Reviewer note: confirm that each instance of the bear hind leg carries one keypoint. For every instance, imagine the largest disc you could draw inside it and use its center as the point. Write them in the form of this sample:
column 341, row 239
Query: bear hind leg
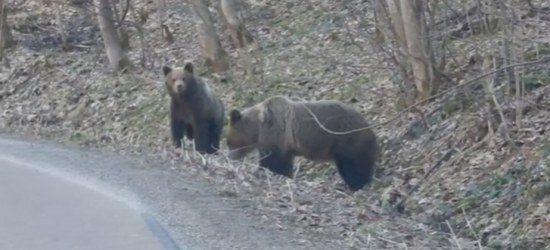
column 356, row 171
column 277, row 162
column 202, row 138
column 178, row 129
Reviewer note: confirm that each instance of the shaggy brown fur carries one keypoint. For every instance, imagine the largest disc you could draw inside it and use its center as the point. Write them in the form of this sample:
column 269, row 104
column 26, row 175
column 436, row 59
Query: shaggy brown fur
column 194, row 109
column 281, row 129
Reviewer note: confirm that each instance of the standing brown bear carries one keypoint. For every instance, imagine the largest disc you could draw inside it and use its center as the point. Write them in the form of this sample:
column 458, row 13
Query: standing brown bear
column 194, row 109
column 281, row 129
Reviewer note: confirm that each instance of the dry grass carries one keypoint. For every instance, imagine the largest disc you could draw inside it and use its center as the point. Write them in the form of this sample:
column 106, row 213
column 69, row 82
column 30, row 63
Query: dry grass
column 460, row 187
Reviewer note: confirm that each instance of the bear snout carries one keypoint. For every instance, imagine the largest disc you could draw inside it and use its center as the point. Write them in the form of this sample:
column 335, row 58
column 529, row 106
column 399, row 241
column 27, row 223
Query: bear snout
column 180, row 88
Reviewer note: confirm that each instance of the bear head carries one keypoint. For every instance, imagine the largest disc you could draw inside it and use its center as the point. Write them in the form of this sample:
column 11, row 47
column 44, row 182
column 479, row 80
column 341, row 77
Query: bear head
column 267, row 117
column 180, row 81
column 243, row 131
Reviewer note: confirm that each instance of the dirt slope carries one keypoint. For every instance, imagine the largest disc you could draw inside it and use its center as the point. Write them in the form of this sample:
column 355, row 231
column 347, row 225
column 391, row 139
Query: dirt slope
column 481, row 188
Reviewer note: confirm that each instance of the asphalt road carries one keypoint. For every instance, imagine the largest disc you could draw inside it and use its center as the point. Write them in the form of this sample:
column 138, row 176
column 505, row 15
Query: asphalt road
column 59, row 197
column 41, row 210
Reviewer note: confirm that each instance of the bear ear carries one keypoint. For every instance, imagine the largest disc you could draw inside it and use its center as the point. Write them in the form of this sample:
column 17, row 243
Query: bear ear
column 235, row 116
column 188, row 67
column 166, row 70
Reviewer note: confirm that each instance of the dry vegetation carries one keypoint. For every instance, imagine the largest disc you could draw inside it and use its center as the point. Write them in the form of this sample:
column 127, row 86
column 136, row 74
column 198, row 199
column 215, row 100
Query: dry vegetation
column 464, row 171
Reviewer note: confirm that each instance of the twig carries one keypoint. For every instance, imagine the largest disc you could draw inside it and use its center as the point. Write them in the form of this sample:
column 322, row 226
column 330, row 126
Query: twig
column 248, row 146
column 369, row 236
column 291, row 193
column 342, row 192
column 461, row 154
column 184, row 153
column 490, row 89
column 297, row 170
column 466, row 83
column 388, row 240
column 270, row 189
column 473, row 231
column 123, row 17
column 438, row 164
column 454, row 235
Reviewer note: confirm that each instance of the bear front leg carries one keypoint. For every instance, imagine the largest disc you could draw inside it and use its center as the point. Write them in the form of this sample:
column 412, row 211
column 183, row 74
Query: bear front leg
column 215, row 133
column 277, row 162
column 202, row 138
column 178, row 129
column 189, row 131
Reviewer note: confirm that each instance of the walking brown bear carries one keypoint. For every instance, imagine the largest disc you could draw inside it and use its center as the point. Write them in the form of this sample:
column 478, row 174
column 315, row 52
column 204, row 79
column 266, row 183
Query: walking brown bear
column 281, row 129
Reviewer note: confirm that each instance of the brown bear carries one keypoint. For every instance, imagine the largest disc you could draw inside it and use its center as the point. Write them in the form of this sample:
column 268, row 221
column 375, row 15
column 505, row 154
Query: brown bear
column 194, row 109
column 280, row 129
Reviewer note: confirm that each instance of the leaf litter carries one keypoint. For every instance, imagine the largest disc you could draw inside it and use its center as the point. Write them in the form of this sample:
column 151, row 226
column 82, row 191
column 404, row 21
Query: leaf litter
column 485, row 193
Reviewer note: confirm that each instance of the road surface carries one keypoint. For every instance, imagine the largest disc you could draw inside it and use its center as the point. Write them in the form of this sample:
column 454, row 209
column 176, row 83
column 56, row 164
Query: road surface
column 44, row 211
column 59, row 197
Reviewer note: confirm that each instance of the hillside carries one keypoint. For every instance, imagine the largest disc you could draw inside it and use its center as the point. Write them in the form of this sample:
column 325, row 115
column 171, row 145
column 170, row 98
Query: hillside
column 469, row 181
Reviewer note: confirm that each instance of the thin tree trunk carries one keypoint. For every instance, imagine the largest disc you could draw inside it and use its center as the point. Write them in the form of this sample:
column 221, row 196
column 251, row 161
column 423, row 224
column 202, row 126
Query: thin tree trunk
column 6, row 38
column 166, row 33
column 161, row 11
column 397, row 24
column 381, row 20
column 418, row 58
column 117, row 58
column 235, row 24
column 214, row 55
column 119, row 15
column 397, row 28
column 61, row 27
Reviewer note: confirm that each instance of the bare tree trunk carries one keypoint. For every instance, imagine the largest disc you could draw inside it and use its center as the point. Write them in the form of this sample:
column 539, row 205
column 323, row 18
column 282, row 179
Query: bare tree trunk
column 166, row 33
column 381, row 21
column 61, row 27
column 237, row 30
column 119, row 16
column 397, row 24
column 116, row 56
column 214, row 55
column 161, row 11
column 141, row 35
column 418, row 58
column 397, row 29
column 6, row 38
